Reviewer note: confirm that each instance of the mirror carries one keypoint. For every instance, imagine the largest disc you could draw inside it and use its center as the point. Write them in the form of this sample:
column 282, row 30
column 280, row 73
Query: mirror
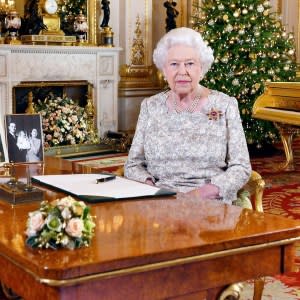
column 91, row 6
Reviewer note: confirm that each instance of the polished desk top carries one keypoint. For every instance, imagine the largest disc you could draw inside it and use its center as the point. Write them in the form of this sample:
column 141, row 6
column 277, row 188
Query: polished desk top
column 148, row 233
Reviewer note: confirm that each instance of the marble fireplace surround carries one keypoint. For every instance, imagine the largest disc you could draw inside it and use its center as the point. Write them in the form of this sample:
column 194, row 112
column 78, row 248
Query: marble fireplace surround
column 97, row 65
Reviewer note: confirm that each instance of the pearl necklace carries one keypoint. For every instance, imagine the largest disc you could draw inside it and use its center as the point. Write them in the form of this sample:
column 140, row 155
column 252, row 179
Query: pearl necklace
column 191, row 108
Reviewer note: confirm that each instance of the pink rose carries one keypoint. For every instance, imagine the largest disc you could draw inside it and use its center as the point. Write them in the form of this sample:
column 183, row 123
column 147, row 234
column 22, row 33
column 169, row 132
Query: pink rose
column 35, row 223
column 74, row 227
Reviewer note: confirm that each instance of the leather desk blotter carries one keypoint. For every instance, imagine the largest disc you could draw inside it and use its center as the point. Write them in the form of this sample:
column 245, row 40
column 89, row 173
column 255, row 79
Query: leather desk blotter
column 17, row 193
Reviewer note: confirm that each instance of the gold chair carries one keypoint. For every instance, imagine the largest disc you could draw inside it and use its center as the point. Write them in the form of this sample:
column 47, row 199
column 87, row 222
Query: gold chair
column 254, row 188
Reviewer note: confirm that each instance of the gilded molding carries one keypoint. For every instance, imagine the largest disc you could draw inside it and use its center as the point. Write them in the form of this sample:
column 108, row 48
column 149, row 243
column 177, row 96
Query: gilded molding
column 146, row 37
column 279, row 6
column 92, row 21
column 138, row 48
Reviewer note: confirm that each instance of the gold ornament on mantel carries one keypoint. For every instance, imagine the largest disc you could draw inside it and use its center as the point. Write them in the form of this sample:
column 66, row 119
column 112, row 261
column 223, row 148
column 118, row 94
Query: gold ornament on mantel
column 138, row 49
column 90, row 111
column 30, row 108
column 12, row 23
column 137, row 74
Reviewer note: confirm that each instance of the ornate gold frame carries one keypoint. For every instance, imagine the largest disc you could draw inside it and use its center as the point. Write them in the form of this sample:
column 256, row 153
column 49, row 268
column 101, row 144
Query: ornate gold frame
column 91, row 17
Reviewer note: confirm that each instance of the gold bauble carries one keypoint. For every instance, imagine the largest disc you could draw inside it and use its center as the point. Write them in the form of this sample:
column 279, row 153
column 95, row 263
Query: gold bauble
column 257, row 85
column 266, row 12
column 225, row 18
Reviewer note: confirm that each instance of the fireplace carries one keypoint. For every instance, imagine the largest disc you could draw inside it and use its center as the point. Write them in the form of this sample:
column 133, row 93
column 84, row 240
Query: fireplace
column 33, row 65
column 77, row 90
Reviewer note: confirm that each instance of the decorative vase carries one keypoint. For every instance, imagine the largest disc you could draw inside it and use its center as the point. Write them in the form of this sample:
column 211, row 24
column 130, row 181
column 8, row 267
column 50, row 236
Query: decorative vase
column 81, row 29
column 12, row 24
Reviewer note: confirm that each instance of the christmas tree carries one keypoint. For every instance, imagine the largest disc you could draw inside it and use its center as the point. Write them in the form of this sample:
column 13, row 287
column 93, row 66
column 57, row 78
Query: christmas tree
column 68, row 10
column 251, row 47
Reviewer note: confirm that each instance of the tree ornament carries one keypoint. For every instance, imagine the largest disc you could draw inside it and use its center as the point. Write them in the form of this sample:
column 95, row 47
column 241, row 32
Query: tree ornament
column 253, row 56
column 260, row 8
column 225, row 18
column 229, row 28
column 224, row 59
column 235, row 82
column 237, row 13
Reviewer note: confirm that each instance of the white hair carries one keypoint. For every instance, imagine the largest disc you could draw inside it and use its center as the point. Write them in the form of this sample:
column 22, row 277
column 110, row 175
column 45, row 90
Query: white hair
column 187, row 37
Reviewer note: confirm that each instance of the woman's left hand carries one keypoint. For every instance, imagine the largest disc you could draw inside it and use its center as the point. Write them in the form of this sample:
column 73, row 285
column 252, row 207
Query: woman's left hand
column 206, row 191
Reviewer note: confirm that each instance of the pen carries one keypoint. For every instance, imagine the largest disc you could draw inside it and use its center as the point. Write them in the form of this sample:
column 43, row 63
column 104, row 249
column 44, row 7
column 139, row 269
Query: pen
column 104, row 179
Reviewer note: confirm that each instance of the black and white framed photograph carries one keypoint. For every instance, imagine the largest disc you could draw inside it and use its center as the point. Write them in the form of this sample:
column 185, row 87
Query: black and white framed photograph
column 3, row 146
column 24, row 138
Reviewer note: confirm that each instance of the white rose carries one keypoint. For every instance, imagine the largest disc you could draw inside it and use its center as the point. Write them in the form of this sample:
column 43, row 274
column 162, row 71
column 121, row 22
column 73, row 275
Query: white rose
column 66, row 214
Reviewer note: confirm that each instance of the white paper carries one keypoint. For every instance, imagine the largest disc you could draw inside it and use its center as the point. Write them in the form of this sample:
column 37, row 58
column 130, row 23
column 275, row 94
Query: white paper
column 86, row 184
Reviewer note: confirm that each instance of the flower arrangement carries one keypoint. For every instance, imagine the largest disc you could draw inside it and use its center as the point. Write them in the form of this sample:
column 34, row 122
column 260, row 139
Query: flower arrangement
column 63, row 223
column 63, row 122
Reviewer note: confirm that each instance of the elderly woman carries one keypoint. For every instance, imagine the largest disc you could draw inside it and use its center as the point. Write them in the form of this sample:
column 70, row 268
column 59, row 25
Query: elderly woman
column 189, row 138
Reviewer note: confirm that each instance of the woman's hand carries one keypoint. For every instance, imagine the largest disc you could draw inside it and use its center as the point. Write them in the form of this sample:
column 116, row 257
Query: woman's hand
column 206, row 191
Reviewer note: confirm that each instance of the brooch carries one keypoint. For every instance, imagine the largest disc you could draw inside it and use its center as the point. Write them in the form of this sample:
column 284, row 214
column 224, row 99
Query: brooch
column 214, row 114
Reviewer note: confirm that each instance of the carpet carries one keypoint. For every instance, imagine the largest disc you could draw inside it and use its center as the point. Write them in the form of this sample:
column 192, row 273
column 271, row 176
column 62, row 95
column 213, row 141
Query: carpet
column 281, row 197
column 281, row 200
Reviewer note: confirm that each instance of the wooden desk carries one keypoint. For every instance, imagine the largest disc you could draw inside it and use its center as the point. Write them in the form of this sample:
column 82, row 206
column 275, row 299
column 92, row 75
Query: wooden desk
column 160, row 248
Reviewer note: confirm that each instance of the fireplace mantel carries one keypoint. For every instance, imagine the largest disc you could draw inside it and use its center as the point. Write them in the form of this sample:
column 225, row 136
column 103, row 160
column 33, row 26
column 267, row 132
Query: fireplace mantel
column 97, row 65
